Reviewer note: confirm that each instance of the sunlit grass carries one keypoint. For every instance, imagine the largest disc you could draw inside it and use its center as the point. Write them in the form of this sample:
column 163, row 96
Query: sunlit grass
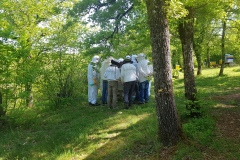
column 80, row 132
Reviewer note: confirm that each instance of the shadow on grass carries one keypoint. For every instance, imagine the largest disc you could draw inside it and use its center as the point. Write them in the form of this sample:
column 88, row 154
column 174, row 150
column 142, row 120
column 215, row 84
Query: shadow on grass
column 137, row 141
column 76, row 131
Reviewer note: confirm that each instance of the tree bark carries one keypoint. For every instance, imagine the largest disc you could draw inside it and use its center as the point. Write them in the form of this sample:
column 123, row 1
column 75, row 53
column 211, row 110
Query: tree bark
column 208, row 57
column 186, row 36
column 169, row 127
column 199, row 60
column 223, row 48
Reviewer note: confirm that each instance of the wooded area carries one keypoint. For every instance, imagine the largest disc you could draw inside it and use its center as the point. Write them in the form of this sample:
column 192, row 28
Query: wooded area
column 46, row 47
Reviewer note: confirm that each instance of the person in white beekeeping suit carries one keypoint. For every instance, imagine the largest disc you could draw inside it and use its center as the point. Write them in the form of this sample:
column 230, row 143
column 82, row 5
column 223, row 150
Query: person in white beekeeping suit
column 128, row 77
column 104, row 82
column 113, row 75
column 120, row 83
column 136, row 88
column 144, row 71
column 93, row 81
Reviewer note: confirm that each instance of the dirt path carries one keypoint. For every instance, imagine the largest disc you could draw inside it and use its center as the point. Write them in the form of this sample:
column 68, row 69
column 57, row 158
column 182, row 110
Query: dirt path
column 228, row 116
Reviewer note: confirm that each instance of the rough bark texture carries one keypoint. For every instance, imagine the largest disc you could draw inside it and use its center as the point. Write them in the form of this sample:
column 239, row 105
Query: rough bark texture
column 186, row 37
column 170, row 131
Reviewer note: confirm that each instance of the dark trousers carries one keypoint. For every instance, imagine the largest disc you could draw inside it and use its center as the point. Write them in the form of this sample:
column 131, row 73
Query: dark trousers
column 128, row 88
column 137, row 92
column 104, row 91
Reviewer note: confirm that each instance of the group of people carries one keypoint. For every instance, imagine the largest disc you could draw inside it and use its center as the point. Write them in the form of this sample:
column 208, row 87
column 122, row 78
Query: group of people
column 120, row 79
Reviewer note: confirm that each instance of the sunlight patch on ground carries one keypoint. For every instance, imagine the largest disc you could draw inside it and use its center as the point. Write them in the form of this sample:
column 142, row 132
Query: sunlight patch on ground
column 125, row 123
column 102, row 137
column 224, row 106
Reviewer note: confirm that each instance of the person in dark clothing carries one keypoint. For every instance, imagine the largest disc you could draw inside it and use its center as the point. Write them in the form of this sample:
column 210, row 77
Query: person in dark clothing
column 128, row 77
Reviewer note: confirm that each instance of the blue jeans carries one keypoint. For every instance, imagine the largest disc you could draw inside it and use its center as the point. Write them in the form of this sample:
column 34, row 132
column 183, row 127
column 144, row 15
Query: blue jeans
column 144, row 91
column 104, row 91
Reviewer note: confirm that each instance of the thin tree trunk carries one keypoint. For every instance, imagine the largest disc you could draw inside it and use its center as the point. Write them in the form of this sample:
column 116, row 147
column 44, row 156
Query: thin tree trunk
column 29, row 98
column 170, row 131
column 199, row 60
column 208, row 57
column 2, row 111
column 198, row 40
column 223, row 48
column 186, row 33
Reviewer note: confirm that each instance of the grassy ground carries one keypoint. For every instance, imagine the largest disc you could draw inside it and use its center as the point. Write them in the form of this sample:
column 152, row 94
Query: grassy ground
column 78, row 131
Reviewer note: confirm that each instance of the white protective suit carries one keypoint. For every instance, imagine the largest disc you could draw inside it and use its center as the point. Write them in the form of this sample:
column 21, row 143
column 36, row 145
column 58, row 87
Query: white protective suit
column 105, row 64
column 93, row 80
column 143, row 68
column 134, row 60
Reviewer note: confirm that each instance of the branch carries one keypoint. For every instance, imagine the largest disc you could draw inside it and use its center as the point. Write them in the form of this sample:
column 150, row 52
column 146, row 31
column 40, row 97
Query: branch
column 118, row 18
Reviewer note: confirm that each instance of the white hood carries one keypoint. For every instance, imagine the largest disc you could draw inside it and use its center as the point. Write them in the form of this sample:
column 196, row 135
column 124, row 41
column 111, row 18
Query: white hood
column 95, row 59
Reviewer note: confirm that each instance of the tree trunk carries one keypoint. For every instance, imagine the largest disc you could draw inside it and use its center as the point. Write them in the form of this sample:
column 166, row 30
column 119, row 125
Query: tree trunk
column 2, row 111
column 198, row 40
column 199, row 60
column 186, row 33
column 170, row 131
column 29, row 98
column 208, row 57
column 223, row 48
column 186, row 37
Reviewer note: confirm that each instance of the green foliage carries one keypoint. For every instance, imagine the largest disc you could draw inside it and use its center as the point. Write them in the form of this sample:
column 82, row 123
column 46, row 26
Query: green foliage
column 200, row 129
column 36, row 62
column 175, row 73
column 194, row 108
column 188, row 152
column 83, row 132
column 37, row 46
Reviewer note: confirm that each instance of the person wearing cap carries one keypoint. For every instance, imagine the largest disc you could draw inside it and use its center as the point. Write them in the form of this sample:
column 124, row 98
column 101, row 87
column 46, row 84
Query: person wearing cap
column 112, row 74
column 104, row 82
column 128, row 77
column 143, row 72
column 93, row 81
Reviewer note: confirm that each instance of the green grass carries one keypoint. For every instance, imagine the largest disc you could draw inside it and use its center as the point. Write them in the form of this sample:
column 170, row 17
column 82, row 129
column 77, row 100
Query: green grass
column 78, row 131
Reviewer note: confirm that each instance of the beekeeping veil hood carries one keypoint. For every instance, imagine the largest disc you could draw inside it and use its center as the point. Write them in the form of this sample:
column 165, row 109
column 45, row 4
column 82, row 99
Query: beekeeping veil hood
column 95, row 59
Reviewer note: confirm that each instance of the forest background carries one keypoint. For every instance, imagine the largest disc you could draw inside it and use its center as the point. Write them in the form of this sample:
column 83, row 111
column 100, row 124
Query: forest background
column 47, row 45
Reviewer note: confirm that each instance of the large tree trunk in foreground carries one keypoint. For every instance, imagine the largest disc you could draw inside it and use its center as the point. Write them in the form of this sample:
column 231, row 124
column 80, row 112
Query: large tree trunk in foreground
column 170, row 131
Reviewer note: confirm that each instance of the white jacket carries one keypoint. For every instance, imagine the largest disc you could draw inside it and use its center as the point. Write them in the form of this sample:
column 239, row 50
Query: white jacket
column 144, row 70
column 105, row 65
column 112, row 73
column 128, row 72
column 93, row 70
column 92, row 74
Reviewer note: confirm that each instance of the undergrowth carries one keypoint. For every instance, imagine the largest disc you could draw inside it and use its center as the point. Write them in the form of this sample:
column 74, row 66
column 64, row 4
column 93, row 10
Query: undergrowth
column 78, row 131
